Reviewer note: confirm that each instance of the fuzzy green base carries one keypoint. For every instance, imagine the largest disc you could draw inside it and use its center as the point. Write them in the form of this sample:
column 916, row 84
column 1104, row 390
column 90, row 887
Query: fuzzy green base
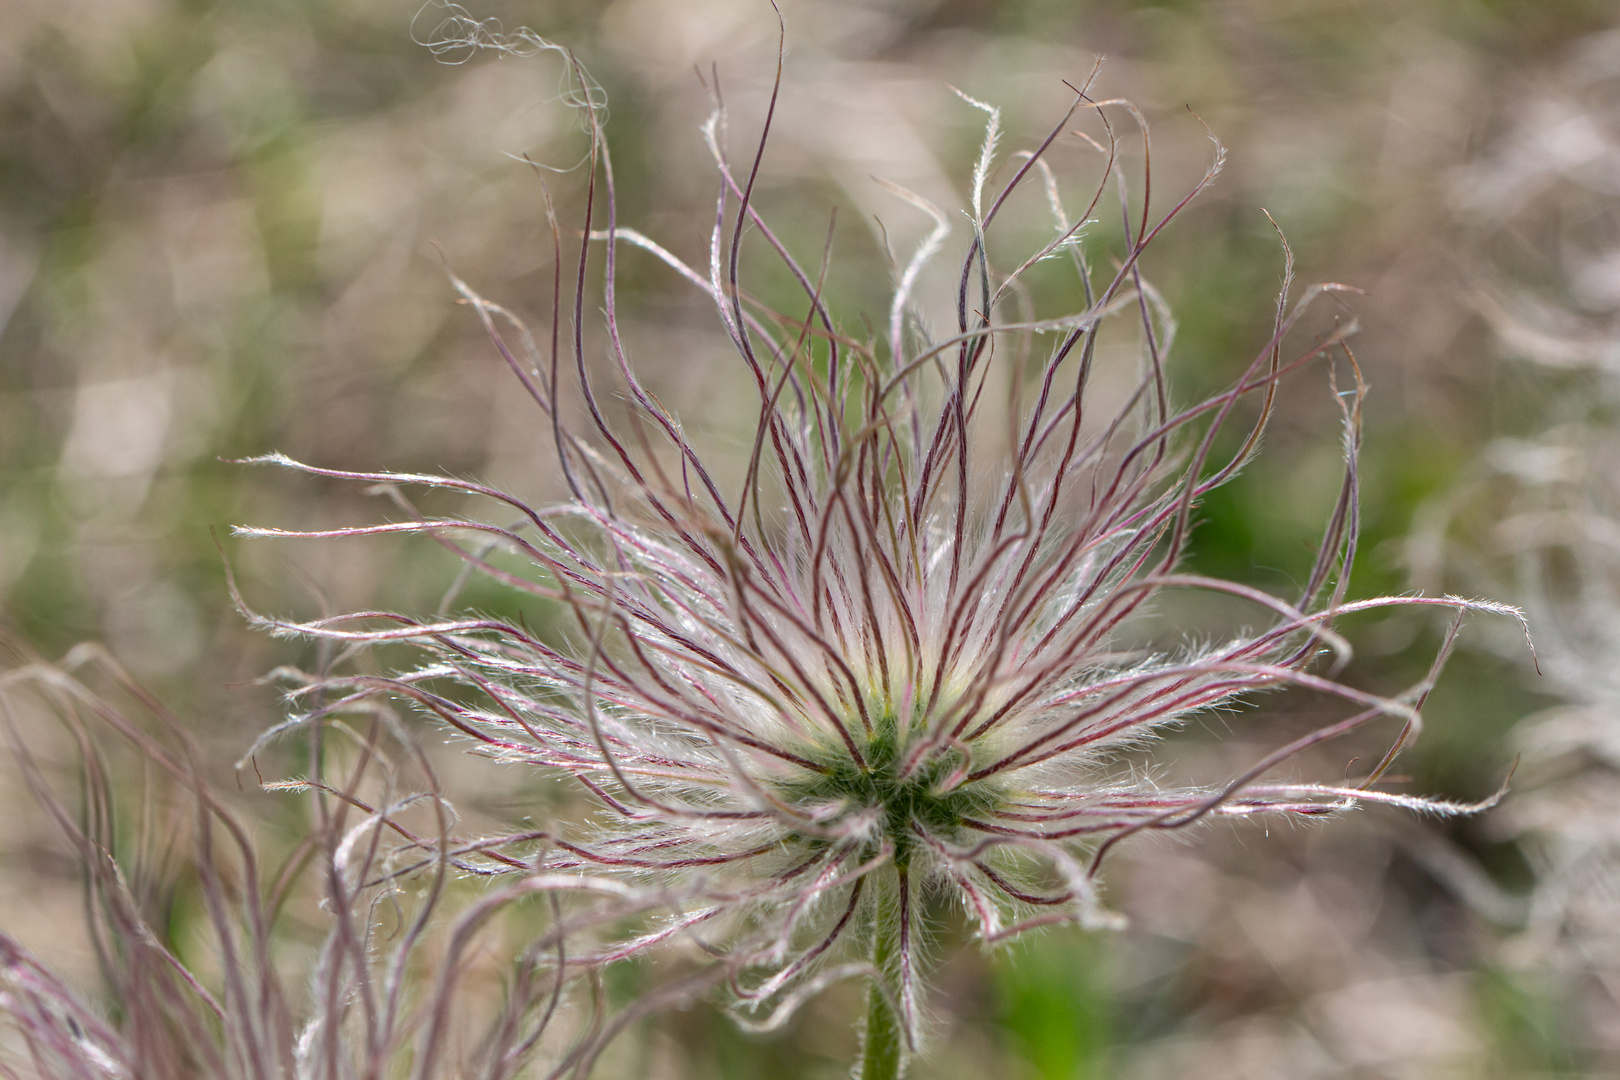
column 915, row 799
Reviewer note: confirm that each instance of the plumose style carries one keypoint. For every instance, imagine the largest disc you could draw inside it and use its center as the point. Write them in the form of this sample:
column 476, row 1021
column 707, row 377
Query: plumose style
column 900, row 661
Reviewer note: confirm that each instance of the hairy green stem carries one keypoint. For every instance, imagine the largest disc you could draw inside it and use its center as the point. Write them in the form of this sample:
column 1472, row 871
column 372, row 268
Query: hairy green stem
column 882, row 1052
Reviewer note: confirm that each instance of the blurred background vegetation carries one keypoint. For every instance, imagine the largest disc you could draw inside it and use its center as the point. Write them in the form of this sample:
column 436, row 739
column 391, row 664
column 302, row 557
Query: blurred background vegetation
column 224, row 227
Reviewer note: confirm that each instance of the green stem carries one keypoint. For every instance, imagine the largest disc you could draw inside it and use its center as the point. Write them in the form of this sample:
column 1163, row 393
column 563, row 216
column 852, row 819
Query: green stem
column 882, row 1055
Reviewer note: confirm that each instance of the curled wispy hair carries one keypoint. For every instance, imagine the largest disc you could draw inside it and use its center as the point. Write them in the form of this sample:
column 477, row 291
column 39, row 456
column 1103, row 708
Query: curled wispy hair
column 886, row 664
column 321, row 962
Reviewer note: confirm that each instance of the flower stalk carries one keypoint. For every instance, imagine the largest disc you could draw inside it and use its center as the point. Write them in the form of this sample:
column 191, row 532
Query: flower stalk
column 883, row 1040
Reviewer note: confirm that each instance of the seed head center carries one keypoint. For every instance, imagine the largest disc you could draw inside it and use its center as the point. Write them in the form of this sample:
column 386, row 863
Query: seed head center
column 908, row 803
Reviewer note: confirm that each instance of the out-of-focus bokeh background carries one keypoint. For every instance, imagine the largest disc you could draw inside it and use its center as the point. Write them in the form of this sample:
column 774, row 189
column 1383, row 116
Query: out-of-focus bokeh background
column 225, row 227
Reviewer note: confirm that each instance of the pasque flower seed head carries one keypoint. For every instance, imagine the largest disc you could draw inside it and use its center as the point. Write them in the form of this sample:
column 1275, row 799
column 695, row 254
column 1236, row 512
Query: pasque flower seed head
column 886, row 664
